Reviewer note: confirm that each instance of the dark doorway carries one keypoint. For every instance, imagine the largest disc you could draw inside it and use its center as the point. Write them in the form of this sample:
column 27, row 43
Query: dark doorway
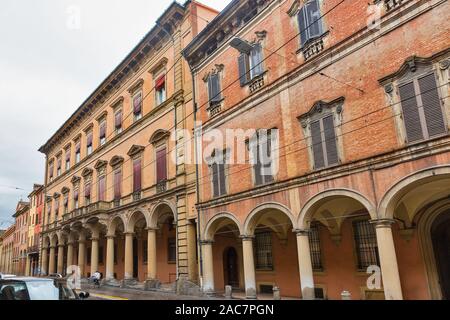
column 135, row 259
column 441, row 242
column 231, row 267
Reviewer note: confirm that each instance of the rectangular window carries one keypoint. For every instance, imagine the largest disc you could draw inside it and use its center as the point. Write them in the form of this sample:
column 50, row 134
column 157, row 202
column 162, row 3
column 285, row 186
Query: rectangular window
column 218, row 173
column 314, row 245
column 87, row 194
column 137, row 106
column 310, row 22
column 117, row 185
column 102, row 133
column 78, row 152
column 66, row 204
column 324, row 144
column 366, row 244
column 172, row 250
column 89, row 141
column 263, row 251
column 118, row 122
column 56, row 207
column 262, row 160
column 75, row 199
column 59, row 166
column 102, row 188
column 161, row 165
column 215, row 95
column 67, row 159
column 137, row 183
column 250, row 65
column 51, row 171
column 160, row 89
column 422, row 110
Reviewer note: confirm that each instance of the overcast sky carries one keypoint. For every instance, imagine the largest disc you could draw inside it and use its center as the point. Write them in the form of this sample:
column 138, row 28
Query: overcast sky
column 53, row 54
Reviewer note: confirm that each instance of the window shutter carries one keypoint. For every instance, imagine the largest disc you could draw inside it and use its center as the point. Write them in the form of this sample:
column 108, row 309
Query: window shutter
column 101, row 188
column 137, row 175
column 432, row 105
column 303, row 23
column 215, row 176
column 317, row 145
column 117, row 180
column 411, row 115
column 256, row 56
column 89, row 140
column 243, row 69
column 103, row 130
column 87, row 191
column 314, row 19
column 330, row 140
column 118, row 120
column 137, row 104
column 161, row 165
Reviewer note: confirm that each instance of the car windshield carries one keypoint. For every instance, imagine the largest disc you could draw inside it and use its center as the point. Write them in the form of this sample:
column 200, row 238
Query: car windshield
column 42, row 290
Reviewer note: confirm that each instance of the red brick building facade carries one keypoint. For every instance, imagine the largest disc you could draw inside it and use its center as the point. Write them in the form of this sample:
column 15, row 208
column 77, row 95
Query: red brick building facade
column 360, row 185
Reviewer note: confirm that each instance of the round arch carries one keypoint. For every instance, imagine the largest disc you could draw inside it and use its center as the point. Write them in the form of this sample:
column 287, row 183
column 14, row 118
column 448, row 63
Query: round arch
column 309, row 208
column 46, row 242
column 135, row 217
column 54, row 240
column 158, row 210
column 219, row 221
column 399, row 189
column 114, row 223
column 253, row 218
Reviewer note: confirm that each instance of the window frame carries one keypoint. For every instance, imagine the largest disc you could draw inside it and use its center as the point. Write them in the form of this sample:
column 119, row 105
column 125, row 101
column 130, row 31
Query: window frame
column 269, row 264
column 210, row 163
column 156, row 77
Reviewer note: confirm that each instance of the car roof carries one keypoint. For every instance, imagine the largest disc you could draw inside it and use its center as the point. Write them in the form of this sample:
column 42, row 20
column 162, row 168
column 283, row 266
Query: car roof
column 25, row 279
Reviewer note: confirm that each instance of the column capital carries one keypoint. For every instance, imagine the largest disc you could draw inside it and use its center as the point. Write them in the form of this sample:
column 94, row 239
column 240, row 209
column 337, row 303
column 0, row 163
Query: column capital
column 247, row 238
column 206, row 242
column 302, row 232
column 110, row 237
column 128, row 233
column 383, row 223
column 151, row 229
column 95, row 238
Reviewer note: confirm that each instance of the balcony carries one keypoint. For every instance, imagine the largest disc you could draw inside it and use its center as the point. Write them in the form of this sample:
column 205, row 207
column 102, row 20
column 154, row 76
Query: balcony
column 256, row 83
column 392, row 4
column 137, row 196
column 312, row 48
column 98, row 207
column 34, row 249
column 161, row 186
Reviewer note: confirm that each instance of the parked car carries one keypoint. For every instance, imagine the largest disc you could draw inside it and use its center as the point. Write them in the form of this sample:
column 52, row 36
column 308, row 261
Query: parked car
column 21, row 288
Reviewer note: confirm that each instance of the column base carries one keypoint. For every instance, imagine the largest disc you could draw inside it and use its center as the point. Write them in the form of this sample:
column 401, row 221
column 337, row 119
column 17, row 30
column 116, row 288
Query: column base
column 128, row 282
column 250, row 294
column 152, row 284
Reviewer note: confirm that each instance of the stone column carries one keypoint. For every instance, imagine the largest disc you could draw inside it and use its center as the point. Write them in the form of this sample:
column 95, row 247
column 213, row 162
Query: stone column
column 191, row 250
column 28, row 267
column 69, row 254
column 94, row 255
column 61, row 259
column 81, row 255
column 51, row 265
column 109, row 258
column 305, row 265
column 249, row 267
column 208, row 267
column 44, row 261
column 129, row 256
column 388, row 259
column 151, row 254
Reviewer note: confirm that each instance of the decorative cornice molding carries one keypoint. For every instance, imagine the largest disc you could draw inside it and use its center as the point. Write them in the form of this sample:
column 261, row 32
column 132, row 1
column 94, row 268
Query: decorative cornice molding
column 87, row 172
column 116, row 161
column 118, row 102
column 319, row 107
column 136, row 86
column 135, row 150
column 295, row 7
column 159, row 65
column 75, row 180
column 65, row 190
column 100, row 164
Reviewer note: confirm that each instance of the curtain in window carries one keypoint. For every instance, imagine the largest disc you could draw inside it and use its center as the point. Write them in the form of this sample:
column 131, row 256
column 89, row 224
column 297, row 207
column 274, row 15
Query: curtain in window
column 103, row 130
column 161, row 165
column 137, row 103
column 102, row 188
column 87, row 191
column 117, row 182
column 160, row 83
column 118, row 120
column 89, row 140
column 137, row 175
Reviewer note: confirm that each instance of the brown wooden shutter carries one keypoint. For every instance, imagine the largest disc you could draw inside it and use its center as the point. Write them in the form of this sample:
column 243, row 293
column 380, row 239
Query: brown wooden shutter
column 411, row 115
column 117, row 182
column 317, row 146
column 137, row 175
column 330, row 140
column 243, row 69
column 102, row 188
column 432, row 105
column 161, row 165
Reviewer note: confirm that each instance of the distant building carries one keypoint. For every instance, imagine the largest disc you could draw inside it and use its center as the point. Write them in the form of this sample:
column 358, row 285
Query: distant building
column 36, row 200
column 21, row 237
column 7, row 250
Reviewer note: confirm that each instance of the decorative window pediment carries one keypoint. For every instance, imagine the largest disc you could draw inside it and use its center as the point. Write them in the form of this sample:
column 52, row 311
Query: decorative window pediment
column 116, row 161
column 319, row 108
column 56, row 195
column 117, row 103
column 102, row 116
column 87, row 172
column 100, row 164
column 159, row 135
column 159, row 66
column 135, row 150
column 89, row 128
column 137, row 85
column 65, row 190
column 75, row 180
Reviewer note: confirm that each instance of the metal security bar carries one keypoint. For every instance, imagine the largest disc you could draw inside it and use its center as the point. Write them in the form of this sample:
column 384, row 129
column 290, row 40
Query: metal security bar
column 366, row 244
column 263, row 251
column 314, row 245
